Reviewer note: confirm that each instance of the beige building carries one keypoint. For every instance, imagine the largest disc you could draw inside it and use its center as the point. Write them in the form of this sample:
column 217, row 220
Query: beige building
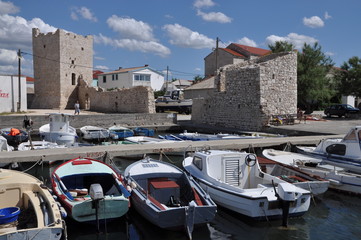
column 60, row 60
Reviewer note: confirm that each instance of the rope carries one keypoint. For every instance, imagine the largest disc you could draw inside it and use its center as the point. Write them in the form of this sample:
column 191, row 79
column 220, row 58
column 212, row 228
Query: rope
column 40, row 161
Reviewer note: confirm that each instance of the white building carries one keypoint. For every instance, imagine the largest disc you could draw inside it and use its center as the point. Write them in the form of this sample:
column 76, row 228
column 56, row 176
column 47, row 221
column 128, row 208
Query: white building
column 132, row 77
column 9, row 93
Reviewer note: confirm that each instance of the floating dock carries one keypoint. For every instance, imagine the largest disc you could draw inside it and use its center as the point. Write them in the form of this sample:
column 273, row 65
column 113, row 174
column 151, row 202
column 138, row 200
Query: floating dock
column 111, row 151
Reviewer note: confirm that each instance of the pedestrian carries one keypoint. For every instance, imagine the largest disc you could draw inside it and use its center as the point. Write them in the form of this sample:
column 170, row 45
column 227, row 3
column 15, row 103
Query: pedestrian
column 77, row 108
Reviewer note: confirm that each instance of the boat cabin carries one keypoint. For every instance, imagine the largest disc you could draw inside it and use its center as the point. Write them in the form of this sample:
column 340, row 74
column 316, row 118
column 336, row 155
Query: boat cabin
column 59, row 122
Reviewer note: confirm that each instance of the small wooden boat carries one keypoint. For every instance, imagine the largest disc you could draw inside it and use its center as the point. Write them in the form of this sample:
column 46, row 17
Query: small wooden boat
column 58, row 130
column 142, row 131
column 339, row 178
column 117, row 132
column 90, row 190
column 316, row 185
column 93, row 133
column 234, row 181
column 167, row 197
column 38, row 215
column 14, row 136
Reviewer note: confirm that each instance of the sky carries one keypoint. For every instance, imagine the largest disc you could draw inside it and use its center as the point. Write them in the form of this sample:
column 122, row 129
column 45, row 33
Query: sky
column 178, row 34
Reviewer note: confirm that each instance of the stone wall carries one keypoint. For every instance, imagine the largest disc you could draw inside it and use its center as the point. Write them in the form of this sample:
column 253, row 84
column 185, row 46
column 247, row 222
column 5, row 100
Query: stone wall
column 128, row 100
column 250, row 92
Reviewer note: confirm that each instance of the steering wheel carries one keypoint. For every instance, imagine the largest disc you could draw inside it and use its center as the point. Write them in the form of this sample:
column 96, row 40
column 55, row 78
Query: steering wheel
column 250, row 160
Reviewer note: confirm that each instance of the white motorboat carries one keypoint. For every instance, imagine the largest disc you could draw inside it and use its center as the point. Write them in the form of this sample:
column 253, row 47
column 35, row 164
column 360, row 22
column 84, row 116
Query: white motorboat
column 37, row 145
column 166, row 196
column 147, row 140
column 93, row 133
column 37, row 214
column 234, row 181
column 58, row 130
column 339, row 178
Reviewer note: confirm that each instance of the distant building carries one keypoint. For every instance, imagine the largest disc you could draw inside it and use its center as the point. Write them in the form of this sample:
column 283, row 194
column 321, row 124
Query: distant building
column 60, row 60
column 232, row 54
column 132, row 77
column 9, row 93
column 202, row 89
column 179, row 84
column 95, row 78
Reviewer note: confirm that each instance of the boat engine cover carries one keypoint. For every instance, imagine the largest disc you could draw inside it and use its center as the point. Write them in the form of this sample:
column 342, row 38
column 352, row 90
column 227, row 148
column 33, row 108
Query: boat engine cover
column 287, row 192
column 96, row 191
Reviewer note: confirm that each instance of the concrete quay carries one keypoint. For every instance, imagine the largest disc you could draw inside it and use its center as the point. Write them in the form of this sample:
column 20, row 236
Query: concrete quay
column 136, row 149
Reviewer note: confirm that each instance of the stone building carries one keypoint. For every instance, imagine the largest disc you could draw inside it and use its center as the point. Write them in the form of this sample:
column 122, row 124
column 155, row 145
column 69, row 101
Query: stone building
column 248, row 93
column 60, row 59
column 234, row 53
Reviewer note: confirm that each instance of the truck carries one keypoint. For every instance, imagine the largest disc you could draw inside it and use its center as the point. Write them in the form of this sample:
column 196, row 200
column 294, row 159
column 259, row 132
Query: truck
column 172, row 101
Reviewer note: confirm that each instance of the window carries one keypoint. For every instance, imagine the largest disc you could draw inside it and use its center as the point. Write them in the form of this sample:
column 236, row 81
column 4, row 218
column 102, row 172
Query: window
column 142, row 77
column 104, row 79
column 197, row 161
column 73, row 79
column 114, row 77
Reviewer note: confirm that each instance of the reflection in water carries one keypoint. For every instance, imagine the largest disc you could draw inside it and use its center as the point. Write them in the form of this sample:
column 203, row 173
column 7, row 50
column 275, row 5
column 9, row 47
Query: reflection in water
column 332, row 215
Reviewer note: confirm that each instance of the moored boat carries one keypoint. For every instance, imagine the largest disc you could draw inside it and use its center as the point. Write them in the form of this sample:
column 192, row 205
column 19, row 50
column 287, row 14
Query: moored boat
column 234, row 181
column 167, row 197
column 14, row 136
column 90, row 190
column 58, row 130
column 37, row 215
column 117, row 132
column 142, row 131
column 38, row 145
column 93, row 133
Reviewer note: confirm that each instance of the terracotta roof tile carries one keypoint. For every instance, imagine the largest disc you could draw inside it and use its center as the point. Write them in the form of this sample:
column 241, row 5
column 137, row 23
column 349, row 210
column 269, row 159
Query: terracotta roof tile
column 254, row 50
column 233, row 52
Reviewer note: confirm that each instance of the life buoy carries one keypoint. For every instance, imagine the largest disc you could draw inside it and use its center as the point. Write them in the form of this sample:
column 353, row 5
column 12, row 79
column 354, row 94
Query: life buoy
column 250, row 160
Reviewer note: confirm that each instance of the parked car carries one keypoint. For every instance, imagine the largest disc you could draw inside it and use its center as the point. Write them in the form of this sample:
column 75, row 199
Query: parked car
column 341, row 110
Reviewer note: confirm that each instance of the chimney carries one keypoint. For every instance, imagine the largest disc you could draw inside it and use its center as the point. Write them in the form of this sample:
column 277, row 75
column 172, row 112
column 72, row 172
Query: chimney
column 119, row 68
column 146, row 65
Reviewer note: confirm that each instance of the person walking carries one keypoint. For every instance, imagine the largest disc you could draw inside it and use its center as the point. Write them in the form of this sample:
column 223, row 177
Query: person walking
column 77, row 108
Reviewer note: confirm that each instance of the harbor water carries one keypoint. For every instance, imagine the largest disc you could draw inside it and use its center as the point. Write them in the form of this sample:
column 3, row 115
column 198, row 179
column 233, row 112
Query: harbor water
column 333, row 215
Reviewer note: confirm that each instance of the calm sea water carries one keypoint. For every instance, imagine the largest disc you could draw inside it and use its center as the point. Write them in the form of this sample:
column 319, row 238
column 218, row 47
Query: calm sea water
column 333, row 215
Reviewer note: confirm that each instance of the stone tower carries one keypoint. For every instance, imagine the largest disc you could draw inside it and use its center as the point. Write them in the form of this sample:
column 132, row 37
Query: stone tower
column 60, row 60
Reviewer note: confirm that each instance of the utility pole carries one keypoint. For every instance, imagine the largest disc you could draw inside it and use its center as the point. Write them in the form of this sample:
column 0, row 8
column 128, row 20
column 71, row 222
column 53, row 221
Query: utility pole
column 166, row 81
column 19, row 85
column 217, row 40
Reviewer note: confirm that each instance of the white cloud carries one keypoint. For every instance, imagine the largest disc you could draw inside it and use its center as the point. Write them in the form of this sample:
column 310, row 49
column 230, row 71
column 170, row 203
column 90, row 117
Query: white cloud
column 131, row 28
column 326, row 16
column 248, row 42
column 8, row 8
column 297, row 40
column 16, row 32
column 313, row 22
column 100, row 67
column 214, row 17
column 83, row 12
column 184, row 37
column 330, row 54
column 8, row 57
column 203, row 3
column 134, row 45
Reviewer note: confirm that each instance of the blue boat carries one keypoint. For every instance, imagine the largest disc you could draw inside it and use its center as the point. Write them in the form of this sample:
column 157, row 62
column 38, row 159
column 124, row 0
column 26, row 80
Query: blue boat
column 142, row 131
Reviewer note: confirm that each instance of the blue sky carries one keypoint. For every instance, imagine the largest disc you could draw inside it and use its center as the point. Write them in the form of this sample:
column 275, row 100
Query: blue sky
column 178, row 33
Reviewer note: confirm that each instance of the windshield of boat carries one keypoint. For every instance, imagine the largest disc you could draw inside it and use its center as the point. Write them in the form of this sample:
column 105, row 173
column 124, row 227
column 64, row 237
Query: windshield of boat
column 351, row 136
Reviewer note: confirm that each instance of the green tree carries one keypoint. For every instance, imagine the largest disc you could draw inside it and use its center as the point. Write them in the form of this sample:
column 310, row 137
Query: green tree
column 349, row 77
column 281, row 46
column 313, row 85
column 197, row 79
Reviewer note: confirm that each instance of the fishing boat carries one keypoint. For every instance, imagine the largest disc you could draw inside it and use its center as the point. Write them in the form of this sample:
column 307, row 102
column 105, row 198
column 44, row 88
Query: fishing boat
column 167, row 197
column 27, row 209
column 147, row 140
column 14, row 136
column 93, row 133
column 234, row 181
column 90, row 190
column 142, row 131
column 58, row 129
column 342, row 152
column 339, row 178
column 316, row 185
column 117, row 132
column 38, row 145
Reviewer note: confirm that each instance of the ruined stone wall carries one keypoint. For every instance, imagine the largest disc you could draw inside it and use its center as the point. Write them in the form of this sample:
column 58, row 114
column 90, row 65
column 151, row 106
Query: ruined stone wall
column 60, row 58
column 128, row 100
column 249, row 93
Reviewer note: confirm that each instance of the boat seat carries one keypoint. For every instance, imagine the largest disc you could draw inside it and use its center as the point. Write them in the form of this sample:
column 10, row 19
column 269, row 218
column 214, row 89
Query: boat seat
column 197, row 198
column 30, row 196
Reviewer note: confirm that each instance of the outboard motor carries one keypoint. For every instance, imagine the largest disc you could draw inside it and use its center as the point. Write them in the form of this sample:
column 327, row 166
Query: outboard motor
column 96, row 194
column 286, row 194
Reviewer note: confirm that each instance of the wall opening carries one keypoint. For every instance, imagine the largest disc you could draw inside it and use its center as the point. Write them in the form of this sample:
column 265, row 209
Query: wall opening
column 73, row 79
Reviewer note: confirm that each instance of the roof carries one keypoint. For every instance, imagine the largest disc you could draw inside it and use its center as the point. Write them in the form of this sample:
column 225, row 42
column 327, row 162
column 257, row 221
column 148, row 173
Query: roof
column 232, row 52
column 96, row 73
column 132, row 69
column 182, row 82
column 30, row 79
column 204, row 84
column 253, row 50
